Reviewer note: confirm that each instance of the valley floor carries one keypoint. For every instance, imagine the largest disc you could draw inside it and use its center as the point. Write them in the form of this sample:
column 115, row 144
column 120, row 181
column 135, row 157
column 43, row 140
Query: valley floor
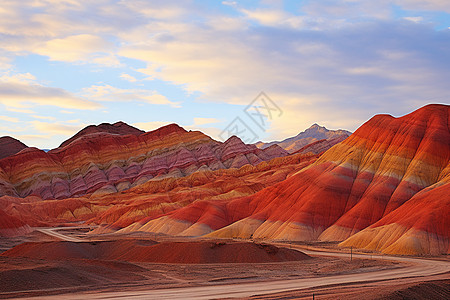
column 328, row 275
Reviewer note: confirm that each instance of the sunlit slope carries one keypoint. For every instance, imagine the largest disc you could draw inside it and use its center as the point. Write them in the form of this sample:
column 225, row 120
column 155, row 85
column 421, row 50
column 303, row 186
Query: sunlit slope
column 375, row 173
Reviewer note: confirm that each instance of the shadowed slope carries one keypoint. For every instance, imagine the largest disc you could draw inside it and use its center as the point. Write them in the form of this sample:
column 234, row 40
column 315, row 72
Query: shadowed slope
column 199, row 252
column 10, row 146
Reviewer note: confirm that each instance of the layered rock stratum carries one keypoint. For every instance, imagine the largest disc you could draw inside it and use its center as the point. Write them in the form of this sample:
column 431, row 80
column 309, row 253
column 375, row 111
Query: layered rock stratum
column 115, row 178
column 103, row 162
column 384, row 188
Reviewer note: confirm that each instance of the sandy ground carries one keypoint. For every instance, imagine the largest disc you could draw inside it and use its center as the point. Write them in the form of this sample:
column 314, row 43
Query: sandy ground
column 98, row 279
column 435, row 287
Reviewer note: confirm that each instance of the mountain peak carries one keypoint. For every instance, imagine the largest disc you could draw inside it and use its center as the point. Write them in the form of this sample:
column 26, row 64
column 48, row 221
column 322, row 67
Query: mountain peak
column 10, row 146
column 233, row 139
column 168, row 129
column 120, row 128
column 315, row 125
column 313, row 134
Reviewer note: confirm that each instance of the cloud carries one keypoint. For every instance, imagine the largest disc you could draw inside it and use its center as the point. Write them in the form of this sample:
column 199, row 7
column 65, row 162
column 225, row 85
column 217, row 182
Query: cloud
column 9, row 119
column 82, row 47
column 29, row 138
column 44, row 117
column 56, row 128
column 18, row 78
column 429, row 5
column 265, row 16
column 414, row 19
column 229, row 3
column 203, row 121
column 337, row 62
column 21, row 96
column 149, row 126
column 128, row 77
column 110, row 93
column 333, row 74
column 274, row 17
column 20, row 110
column 68, row 31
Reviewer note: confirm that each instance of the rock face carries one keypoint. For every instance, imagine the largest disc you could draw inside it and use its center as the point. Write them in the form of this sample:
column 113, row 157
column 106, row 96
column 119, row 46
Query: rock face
column 103, row 162
column 385, row 187
column 10, row 146
column 312, row 134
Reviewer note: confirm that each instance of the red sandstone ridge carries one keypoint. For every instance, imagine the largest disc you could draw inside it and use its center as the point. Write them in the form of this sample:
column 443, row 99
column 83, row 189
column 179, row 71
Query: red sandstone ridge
column 200, row 252
column 390, row 172
column 10, row 146
column 105, row 163
column 11, row 226
column 119, row 128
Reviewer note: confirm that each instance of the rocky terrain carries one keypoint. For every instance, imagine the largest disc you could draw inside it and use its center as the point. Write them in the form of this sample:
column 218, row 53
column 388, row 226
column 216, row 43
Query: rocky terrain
column 384, row 188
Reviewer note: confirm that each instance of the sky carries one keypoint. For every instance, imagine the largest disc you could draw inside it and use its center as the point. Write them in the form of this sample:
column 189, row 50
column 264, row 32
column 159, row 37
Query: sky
column 66, row 64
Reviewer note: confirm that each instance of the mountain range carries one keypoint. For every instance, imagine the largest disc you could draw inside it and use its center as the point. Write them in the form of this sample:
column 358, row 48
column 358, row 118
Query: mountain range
column 385, row 187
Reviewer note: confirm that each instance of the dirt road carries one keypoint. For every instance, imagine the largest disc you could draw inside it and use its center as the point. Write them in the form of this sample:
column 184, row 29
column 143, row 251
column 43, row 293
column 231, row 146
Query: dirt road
column 417, row 267
column 53, row 233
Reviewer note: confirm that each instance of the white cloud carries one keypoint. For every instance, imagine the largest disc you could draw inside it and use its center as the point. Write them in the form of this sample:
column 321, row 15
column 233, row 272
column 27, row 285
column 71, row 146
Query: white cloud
column 44, row 117
column 18, row 78
column 20, row 96
column 9, row 119
column 28, row 139
column 229, row 3
column 19, row 92
column 66, row 112
column 20, row 110
column 267, row 17
column 414, row 19
column 149, row 126
column 128, row 77
column 56, row 128
column 110, row 93
column 82, row 47
column 203, row 121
